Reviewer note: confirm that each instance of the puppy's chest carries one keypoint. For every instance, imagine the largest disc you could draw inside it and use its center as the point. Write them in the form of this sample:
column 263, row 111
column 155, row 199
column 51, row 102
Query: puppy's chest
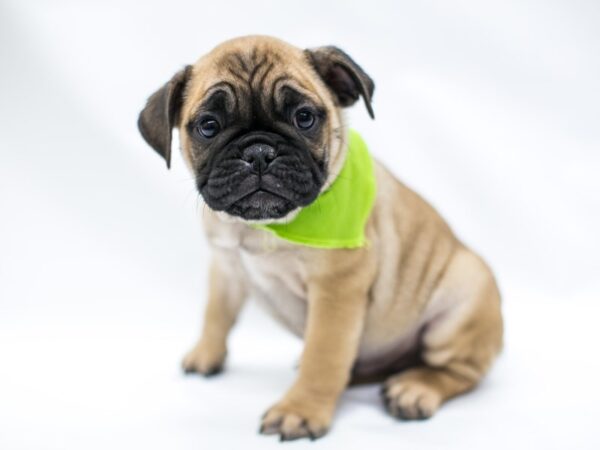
column 278, row 286
column 275, row 271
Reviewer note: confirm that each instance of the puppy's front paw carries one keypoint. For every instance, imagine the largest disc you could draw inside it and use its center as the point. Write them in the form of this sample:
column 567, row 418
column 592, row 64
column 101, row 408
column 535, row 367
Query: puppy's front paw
column 410, row 399
column 295, row 421
column 204, row 359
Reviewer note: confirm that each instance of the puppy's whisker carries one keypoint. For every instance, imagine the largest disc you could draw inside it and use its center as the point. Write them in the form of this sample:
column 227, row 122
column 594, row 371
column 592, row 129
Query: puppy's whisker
column 191, row 192
column 186, row 180
column 203, row 207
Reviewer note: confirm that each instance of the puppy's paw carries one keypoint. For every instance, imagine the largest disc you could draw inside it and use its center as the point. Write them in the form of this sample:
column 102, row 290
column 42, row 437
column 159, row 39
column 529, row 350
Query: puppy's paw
column 294, row 422
column 410, row 399
column 204, row 359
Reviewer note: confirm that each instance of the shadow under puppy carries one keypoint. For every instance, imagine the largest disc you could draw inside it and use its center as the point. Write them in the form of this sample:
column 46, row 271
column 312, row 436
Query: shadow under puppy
column 303, row 219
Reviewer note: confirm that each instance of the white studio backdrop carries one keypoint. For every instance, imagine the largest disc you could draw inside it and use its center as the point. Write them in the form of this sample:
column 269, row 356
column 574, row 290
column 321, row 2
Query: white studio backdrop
column 490, row 110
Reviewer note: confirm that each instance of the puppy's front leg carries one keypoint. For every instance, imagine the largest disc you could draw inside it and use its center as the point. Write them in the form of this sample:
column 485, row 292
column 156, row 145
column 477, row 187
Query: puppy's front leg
column 337, row 296
column 227, row 292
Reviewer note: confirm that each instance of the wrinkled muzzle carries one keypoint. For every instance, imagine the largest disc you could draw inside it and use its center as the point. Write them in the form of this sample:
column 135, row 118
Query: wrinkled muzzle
column 261, row 176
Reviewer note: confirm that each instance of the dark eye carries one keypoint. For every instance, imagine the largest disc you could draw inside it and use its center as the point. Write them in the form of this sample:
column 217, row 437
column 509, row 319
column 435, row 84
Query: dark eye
column 304, row 119
column 208, row 127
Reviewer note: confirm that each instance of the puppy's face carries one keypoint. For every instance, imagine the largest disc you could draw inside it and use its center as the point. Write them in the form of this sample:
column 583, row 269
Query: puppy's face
column 260, row 123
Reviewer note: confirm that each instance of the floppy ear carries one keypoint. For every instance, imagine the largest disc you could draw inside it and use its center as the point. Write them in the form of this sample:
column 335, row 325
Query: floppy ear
column 343, row 76
column 161, row 114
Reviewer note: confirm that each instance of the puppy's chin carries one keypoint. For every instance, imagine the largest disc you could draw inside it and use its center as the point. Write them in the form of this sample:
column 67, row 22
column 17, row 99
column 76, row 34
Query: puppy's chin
column 261, row 206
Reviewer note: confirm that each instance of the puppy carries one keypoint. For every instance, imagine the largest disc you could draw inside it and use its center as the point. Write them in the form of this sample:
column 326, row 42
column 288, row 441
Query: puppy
column 398, row 298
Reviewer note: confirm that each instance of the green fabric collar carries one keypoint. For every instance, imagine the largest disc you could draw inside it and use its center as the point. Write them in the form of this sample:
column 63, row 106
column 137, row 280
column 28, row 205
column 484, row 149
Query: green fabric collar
column 337, row 218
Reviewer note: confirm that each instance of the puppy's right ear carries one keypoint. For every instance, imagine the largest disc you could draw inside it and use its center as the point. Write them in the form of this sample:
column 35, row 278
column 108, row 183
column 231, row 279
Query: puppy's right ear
column 161, row 114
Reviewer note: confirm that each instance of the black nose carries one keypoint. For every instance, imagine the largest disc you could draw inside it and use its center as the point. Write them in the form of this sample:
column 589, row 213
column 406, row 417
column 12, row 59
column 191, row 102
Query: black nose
column 259, row 156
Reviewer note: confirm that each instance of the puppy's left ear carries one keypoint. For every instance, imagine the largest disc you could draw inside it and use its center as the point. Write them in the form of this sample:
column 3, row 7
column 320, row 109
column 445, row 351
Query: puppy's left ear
column 161, row 114
column 342, row 75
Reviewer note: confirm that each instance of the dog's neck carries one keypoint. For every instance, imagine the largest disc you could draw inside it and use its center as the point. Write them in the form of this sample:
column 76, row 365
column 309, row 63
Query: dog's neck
column 337, row 218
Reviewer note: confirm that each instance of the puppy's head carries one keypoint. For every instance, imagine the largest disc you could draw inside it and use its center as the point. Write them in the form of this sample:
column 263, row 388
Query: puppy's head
column 260, row 123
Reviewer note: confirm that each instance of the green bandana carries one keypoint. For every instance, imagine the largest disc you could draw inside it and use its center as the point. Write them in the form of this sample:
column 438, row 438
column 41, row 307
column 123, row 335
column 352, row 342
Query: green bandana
column 337, row 218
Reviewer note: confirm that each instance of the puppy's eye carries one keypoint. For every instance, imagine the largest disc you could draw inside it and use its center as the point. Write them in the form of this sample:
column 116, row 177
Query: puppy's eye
column 208, row 127
column 304, row 119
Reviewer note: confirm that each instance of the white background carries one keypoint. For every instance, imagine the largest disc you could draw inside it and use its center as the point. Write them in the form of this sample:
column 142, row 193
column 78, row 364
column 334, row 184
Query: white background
column 489, row 109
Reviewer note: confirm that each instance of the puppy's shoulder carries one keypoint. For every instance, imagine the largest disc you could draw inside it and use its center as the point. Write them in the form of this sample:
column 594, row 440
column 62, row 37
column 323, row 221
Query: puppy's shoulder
column 398, row 203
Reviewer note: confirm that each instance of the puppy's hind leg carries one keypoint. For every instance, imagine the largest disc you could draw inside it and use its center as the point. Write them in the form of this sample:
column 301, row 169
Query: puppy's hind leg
column 458, row 344
column 226, row 296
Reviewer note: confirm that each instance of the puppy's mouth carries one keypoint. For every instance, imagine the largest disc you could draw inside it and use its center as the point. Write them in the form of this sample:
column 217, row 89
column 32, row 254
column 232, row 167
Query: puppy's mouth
column 261, row 204
column 255, row 197
column 260, row 193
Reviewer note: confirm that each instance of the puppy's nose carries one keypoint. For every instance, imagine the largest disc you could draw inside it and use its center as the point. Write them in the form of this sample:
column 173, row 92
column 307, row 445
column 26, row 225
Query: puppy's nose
column 259, row 156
